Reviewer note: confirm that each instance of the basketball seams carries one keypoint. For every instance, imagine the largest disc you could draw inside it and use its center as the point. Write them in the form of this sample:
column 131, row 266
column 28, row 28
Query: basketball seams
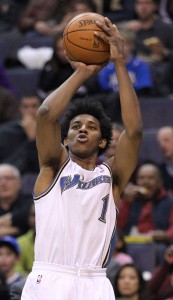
column 80, row 30
column 88, row 49
column 80, row 42
column 81, row 17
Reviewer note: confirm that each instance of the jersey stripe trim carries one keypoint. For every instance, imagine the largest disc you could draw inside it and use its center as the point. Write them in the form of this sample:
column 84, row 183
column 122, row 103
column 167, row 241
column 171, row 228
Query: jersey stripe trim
column 37, row 197
column 109, row 168
column 110, row 249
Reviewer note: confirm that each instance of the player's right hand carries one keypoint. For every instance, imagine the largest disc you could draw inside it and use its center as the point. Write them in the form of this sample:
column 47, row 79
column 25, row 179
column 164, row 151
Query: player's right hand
column 90, row 69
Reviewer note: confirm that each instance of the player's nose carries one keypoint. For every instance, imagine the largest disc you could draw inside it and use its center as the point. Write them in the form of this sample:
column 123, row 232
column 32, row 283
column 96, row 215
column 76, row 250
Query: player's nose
column 83, row 128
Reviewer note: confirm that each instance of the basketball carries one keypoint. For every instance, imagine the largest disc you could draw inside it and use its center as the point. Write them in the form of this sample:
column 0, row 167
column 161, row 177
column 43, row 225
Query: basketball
column 81, row 44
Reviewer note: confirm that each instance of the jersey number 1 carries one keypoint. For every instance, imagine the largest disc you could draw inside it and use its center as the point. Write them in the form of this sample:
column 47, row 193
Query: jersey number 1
column 104, row 209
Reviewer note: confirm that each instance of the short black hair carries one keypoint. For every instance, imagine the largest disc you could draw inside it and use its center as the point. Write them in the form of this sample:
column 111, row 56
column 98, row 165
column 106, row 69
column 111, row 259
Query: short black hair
column 143, row 291
column 90, row 107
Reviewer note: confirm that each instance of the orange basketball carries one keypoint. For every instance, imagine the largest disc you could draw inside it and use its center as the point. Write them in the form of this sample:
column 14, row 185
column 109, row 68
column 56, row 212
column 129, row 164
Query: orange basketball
column 81, row 44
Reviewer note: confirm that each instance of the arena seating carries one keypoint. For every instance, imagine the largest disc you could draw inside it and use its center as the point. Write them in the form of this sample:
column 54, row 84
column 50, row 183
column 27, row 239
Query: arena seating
column 25, row 81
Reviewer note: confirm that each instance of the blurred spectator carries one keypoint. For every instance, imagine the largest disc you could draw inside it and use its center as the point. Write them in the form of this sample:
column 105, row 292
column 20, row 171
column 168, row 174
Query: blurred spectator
column 147, row 209
column 8, row 106
column 117, row 129
column 16, row 290
column 36, row 11
column 9, row 13
column 57, row 70
column 5, row 82
column 166, row 11
column 154, row 44
column 14, row 205
column 120, row 252
column 119, row 257
column 161, row 283
column 118, row 10
column 17, row 137
column 77, row 7
column 9, row 256
column 4, row 290
column 165, row 141
column 26, row 243
column 130, row 285
column 138, row 70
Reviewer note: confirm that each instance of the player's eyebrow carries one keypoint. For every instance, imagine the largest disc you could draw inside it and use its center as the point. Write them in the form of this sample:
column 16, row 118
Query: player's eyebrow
column 79, row 122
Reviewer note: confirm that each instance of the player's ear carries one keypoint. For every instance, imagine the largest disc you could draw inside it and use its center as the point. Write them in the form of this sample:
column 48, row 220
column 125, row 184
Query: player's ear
column 102, row 143
column 66, row 142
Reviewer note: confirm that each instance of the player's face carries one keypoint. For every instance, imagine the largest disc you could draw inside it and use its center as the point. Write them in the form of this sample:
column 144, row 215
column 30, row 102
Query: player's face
column 84, row 136
column 128, row 282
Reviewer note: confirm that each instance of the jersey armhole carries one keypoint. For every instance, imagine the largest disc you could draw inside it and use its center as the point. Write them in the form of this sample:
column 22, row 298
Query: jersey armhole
column 39, row 196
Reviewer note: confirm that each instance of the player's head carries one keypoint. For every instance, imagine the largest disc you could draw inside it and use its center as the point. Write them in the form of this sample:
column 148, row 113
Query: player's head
column 88, row 107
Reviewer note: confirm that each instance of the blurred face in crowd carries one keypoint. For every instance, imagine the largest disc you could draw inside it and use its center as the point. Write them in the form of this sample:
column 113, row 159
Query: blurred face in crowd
column 82, row 6
column 165, row 140
column 29, row 106
column 115, row 137
column 8, row 259
column 59, row 49
column 128, row 282
column 128, row 47
column 149, row 177
column 145, row 8
column 10, row 182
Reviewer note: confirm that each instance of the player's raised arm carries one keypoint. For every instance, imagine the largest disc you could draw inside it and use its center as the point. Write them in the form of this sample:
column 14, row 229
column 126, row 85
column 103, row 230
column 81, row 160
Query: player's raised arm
column 49, row 146
column 127, row 149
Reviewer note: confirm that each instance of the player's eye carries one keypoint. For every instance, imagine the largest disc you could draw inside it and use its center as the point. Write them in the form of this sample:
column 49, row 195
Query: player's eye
column 75, row 127
column 92, row 127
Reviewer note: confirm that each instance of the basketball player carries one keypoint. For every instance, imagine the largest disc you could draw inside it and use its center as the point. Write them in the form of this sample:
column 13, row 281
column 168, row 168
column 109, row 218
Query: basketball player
column 75, row 200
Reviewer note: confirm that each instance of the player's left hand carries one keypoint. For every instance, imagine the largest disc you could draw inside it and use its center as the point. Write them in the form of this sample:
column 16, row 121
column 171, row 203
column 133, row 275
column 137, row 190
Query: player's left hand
column 112, row 36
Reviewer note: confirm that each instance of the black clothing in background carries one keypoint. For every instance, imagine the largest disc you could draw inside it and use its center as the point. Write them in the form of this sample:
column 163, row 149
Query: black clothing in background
column 16, row 149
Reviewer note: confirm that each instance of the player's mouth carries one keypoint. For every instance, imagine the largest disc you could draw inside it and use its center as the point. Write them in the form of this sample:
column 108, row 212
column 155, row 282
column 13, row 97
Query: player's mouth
column 82, row 138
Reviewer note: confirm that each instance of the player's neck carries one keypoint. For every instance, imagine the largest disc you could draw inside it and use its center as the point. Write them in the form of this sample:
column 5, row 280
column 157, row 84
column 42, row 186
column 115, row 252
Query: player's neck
column 85, row 163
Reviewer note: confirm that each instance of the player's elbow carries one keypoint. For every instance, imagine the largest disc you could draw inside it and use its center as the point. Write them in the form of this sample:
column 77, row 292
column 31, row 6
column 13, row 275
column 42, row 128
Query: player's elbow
column 43, row 112
column 136, row 132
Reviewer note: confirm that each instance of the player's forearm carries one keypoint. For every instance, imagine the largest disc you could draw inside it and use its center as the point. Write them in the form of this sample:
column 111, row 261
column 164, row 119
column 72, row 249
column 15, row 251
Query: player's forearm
column 56, row 103
column 130, row 108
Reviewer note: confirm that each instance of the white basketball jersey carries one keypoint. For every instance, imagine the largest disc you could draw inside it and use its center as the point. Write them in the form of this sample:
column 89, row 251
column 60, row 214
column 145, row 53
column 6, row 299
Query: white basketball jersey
column 76, row 218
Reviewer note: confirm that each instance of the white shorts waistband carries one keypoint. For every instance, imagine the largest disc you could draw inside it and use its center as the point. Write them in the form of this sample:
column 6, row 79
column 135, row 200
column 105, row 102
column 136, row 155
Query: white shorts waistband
column 74, row 271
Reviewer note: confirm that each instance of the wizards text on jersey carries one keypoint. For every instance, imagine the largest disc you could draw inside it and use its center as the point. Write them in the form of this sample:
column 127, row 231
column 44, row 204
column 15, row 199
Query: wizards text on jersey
column 68, row 182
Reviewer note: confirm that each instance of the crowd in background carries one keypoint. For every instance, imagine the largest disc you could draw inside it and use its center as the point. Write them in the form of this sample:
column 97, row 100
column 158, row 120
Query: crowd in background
column 145, row 216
